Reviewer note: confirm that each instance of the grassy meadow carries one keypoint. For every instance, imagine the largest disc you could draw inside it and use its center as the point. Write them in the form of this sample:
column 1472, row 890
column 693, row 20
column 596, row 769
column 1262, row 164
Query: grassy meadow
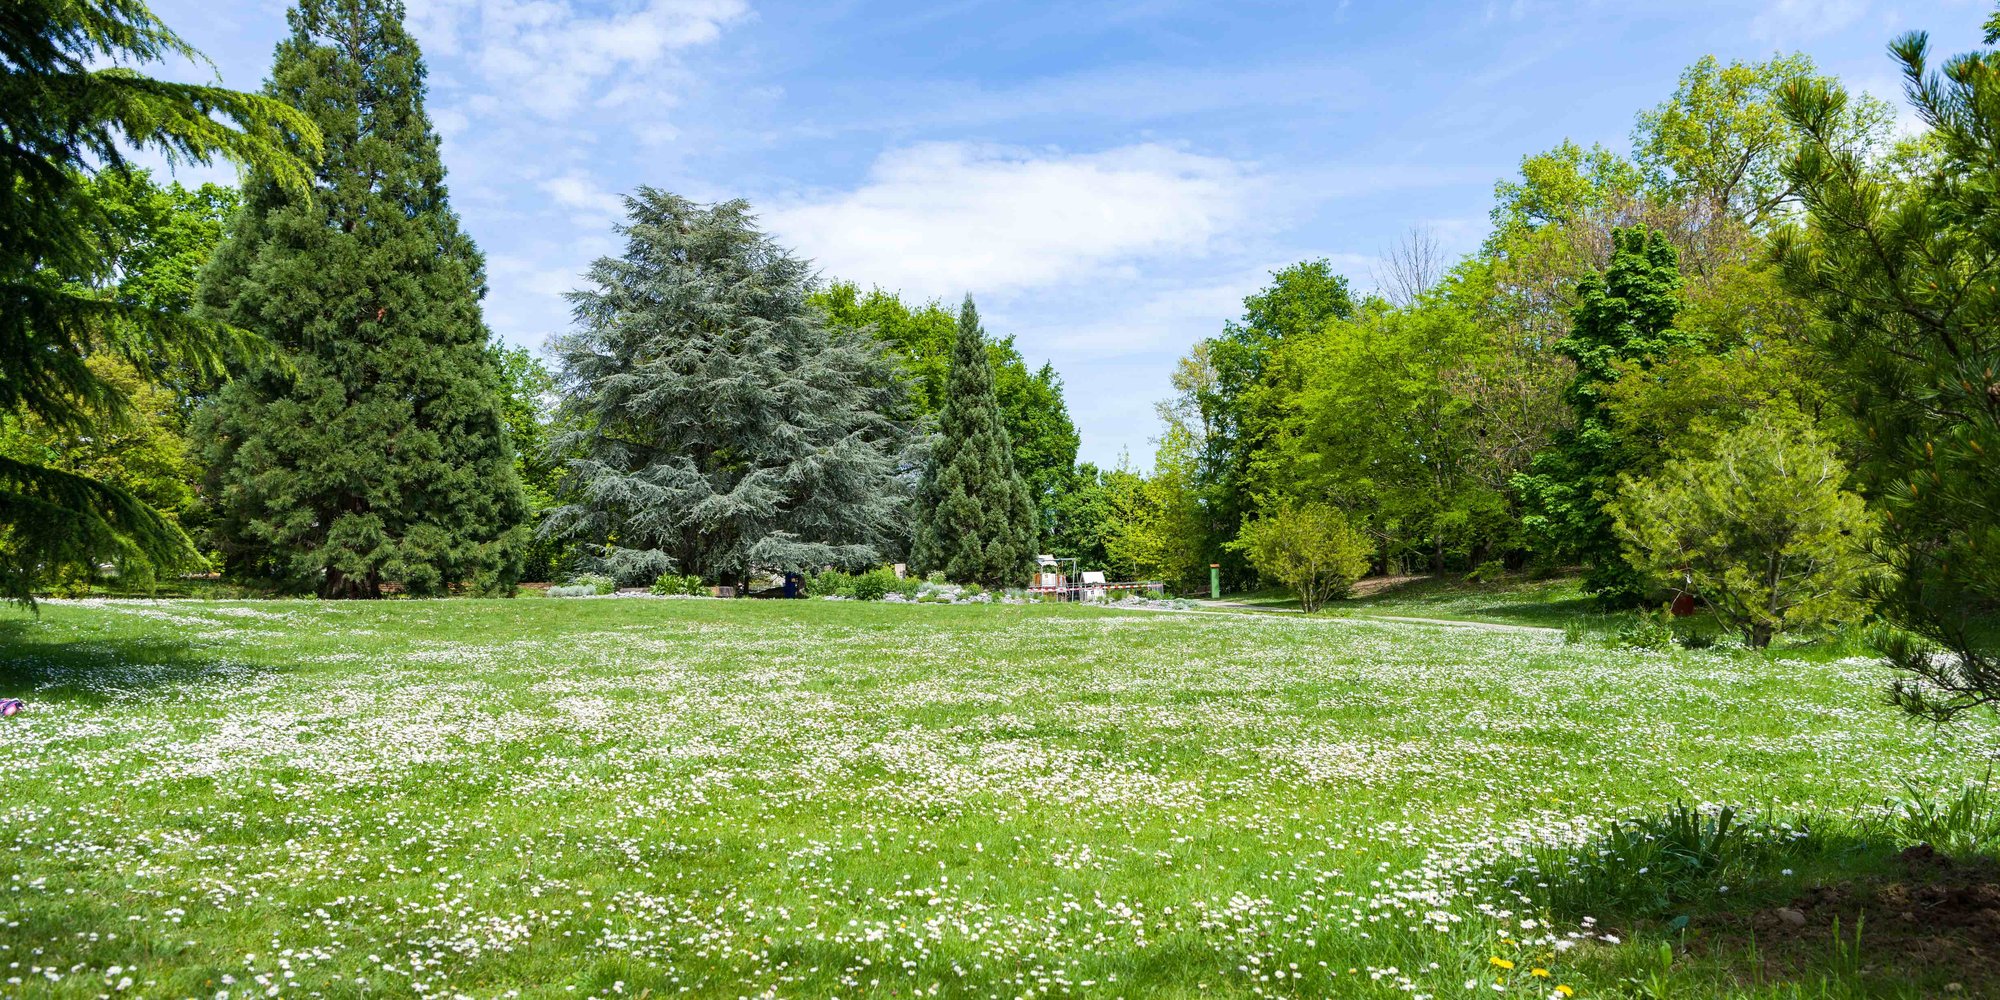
column 631, row 797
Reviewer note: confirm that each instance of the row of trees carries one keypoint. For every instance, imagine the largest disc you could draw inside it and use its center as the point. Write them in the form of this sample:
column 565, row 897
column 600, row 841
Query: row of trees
column 296, row 382
column 1752, row 360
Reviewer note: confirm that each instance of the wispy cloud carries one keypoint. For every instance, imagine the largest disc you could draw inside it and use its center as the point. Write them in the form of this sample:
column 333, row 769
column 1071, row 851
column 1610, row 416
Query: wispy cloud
column 551, row 56
column 941, row 218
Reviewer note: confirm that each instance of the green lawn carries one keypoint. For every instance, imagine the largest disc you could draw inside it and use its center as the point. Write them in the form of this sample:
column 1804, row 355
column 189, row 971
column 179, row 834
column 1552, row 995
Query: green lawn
column 628, row 797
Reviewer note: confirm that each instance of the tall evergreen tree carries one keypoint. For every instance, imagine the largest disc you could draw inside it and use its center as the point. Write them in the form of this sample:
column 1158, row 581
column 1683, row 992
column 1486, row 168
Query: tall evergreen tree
column 1624, row 316
column 376, row 451
column 722, row 426
column 71, row 104
column 976, row 522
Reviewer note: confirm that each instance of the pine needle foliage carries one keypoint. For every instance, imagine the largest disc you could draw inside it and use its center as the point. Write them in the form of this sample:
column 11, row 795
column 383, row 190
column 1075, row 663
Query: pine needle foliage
column 64, row 114
column 374, row 450
column 723, row 427
column 976, row 523
column 1906, row 271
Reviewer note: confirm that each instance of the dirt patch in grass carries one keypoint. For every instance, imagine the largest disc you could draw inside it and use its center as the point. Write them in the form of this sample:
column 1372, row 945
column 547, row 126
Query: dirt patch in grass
column 1936, row 921
column 1377, row 584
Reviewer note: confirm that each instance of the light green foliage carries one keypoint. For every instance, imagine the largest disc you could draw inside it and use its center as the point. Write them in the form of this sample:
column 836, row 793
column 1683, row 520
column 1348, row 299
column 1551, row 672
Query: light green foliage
column 1231, row 403
column 374, row 449
column 1721, row 140
column 1032, row 408
column 1752, row 350
column 677, row 585
column 1379, row 424
column 71, row 103
column 1562, row 186
column 937, row 791
column 1312, row 550
column 527, row 406
column 718, row 425
column 975, row 520
column 1158, row 530
column 1761, row 527
column 1902, row 270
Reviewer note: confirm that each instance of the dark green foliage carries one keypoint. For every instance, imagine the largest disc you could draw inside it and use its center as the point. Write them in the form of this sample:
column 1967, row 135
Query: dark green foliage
column 975, row 521
column 59, row 118
column 1904, row 273
column 376, row 451
column 921, row 339
column 1623, row 317
column 717, row 424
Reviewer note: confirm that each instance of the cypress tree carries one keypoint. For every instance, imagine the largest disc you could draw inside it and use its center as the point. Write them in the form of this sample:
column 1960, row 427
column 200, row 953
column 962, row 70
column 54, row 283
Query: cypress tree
column 373, row 450
column 976, row 523
column 719, row 426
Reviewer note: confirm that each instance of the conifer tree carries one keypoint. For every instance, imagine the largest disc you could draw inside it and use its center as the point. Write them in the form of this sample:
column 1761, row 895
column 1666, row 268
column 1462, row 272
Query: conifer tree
column 976, row 523
column 722, row 427
column 1623, row 316
column 73, row 105
column 374, row 451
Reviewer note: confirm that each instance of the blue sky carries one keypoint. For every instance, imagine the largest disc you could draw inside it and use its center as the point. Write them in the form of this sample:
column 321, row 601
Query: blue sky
column 1108, row 179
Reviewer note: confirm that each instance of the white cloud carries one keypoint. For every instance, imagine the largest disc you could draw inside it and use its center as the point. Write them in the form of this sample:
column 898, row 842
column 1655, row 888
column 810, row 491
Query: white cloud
column 945, row 218
column 592, row 206
column 549, row 57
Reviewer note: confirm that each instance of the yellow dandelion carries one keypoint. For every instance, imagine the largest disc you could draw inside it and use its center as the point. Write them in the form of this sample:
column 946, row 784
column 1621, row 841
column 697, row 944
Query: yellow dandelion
column 1543, row 973
column 1565, row 991
column 1501, row 962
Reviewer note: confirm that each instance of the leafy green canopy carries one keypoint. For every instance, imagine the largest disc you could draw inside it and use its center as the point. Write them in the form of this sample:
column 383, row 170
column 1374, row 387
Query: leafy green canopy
column 1760, row 525
column 59, row 119
column 721, row 425
column 975, row 522
column 1907, row 274
column 374, row 451
column 1232, row 404
column 1624, row 316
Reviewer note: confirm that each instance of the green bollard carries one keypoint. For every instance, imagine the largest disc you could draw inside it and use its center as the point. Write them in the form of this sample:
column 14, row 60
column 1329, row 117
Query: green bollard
column 1215, row 581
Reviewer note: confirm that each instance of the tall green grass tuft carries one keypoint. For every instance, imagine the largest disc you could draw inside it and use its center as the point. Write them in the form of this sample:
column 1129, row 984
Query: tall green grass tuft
column 1962, row 824
column 1656, row 866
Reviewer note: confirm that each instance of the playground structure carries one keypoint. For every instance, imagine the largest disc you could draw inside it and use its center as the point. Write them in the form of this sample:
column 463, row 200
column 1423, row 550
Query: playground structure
column 1088, row 585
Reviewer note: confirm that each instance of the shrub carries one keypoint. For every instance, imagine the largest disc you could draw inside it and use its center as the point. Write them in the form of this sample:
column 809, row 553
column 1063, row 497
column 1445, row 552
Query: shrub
column 596, row 584
column 1763, row 528
column 1645, row 631
column 676, row 585
column 830, row 583
column 1487, row 572
column 875, row 584
column 1312, row 551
